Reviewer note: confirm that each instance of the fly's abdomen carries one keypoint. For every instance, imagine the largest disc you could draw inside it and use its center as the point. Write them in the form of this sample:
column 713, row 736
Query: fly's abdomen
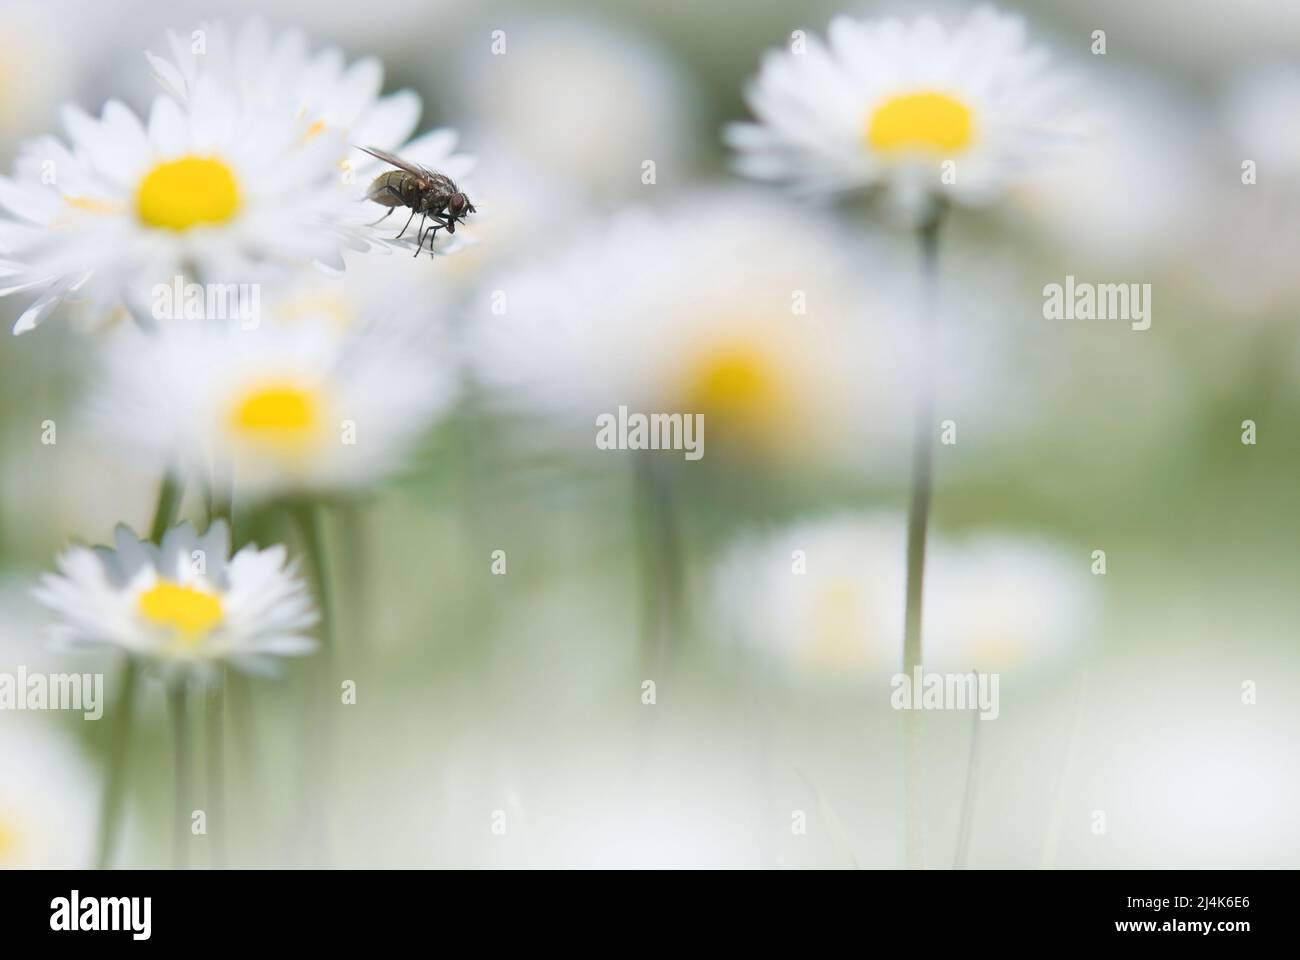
column 389, row 189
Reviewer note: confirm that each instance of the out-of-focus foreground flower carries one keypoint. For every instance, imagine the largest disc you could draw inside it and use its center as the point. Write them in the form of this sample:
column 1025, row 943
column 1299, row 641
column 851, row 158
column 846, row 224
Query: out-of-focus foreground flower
column 294, row 407
column 186, row 604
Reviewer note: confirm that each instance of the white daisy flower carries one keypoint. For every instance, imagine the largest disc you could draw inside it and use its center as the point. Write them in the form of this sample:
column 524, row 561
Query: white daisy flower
column 826, row 598
column 47, row 800
column 780, row 345
column 917, row 109
column 329, row 96
column 287, row 408
column 327, row 92
column 185, row 605
column 218, row 190
column 374, row 296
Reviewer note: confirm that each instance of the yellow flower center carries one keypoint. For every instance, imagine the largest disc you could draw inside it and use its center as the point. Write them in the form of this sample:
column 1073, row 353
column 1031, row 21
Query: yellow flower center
column 283, row 414
column 314, row 130
column 840, row 625
column 179, row 194
column 189, row 612
column 925, row 120
column 276, row 409
column 739, row 386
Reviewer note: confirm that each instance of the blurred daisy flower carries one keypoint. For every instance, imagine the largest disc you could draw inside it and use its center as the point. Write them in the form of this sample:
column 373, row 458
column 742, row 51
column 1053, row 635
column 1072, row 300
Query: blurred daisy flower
column 47, row 800
column 216, row 191
column 327, row 92
column 1134, row 183
column 329, row 97
column 286, row 409
column 375, row 296
column 824, row 597
column 701, row 310
column 1257, row 110
column 1258, row 199
column 186, row 605
column 39, row 64
column 607, row 101
column 916, row 109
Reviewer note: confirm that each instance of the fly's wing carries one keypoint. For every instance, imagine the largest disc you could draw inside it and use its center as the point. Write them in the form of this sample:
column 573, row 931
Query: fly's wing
column 396, row 161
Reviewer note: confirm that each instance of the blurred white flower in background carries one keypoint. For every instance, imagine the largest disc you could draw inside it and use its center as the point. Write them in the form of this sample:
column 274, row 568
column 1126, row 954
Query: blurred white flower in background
column 1258, row 109
column 186, row 605
column 377, row 296
column 916, row 108
column 287, row 408
column 48, row 795
column 824, row 598
column 1135, row 181
column 585, row 102
column 218, row 189
column 1004, row 603
column 526, row 211
column 326, row 91
column 825, row 595
column 47, row 799
column 1247, row 265
column 37, row 68
column 757, row 315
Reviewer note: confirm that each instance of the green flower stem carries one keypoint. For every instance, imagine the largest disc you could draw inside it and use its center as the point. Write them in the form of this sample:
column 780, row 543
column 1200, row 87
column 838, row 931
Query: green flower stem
column 1052, row 840
column 355, row 570
column 918, row 521
column 110, row 812
column 176, row 696
column 661, row 565
column 318, row 732
column 308, row 520
column 216, row 771
column 220, row 500
column 962, row 856
column 110, row 815
column 169, row 500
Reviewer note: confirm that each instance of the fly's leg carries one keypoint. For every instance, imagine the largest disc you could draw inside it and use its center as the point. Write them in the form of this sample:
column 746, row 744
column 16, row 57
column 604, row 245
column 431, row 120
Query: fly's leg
column 400, row 203
column 419, row 230
column 408, row 223
column 432, row 232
